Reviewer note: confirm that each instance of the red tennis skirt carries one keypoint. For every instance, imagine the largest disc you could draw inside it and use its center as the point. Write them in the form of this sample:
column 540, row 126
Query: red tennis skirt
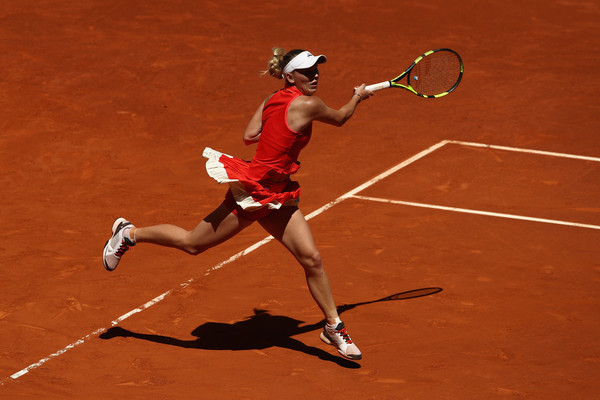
column 247, row 198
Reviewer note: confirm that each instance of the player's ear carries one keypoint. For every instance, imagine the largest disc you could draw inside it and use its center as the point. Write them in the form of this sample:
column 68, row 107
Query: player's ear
column 289, row 78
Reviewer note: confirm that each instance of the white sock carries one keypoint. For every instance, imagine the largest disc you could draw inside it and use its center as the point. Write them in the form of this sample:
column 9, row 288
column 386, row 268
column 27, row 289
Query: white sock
column 337, row 321
column 127, row 234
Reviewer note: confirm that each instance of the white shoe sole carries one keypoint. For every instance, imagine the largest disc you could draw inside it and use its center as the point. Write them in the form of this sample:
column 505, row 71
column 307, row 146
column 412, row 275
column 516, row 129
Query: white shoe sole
column 114, row 228
column 326, row 340
column 116, row 224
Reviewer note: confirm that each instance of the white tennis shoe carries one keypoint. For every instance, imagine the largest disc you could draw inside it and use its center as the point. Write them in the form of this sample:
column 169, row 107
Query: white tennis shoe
column 338, row 336
column 117, row 245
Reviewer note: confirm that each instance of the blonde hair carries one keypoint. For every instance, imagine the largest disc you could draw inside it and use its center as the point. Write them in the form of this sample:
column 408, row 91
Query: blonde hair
column 279, row 60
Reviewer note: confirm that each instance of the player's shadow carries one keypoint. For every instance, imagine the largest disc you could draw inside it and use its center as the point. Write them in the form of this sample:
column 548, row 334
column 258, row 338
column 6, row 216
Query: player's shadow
column 260, row 331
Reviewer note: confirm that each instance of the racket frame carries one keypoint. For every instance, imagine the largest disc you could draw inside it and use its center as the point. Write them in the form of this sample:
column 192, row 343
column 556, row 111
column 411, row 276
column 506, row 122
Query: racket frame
column 394, row 82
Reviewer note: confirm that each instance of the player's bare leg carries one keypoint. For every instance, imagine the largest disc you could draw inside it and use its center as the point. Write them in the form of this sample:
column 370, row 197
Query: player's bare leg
column 216, row 228
column 289, row 226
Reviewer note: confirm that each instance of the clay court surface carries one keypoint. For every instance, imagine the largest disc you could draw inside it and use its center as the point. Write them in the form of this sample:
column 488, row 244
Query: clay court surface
column 107, row 105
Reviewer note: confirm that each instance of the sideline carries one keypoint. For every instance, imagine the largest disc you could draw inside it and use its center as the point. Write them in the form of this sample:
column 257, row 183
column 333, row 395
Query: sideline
column 233, row 258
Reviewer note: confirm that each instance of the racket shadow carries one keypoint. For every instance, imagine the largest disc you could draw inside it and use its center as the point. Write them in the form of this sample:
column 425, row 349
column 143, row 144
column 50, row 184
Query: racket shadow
column 259, row 331
column 411, row 294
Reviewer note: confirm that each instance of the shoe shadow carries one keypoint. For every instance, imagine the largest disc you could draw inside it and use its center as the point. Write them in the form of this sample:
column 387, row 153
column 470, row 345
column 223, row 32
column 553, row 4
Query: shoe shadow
column 260, row 331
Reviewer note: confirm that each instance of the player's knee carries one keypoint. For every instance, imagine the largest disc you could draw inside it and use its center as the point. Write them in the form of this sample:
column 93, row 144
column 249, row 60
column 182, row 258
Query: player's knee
column 192, row 250
column 191, row 247
column 312, row 263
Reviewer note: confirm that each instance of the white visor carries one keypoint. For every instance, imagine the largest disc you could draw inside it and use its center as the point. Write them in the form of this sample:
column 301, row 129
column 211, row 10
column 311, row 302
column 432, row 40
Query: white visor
column 302, row 61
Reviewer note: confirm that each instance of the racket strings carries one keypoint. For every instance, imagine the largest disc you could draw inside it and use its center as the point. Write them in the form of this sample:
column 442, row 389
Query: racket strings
column 435, row 74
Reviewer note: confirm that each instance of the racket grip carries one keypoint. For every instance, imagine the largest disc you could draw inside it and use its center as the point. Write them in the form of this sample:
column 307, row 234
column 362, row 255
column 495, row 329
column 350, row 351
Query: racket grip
column 378, row 86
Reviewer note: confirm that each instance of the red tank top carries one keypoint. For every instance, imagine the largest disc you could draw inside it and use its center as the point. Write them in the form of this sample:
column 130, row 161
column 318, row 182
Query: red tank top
column 278, row 148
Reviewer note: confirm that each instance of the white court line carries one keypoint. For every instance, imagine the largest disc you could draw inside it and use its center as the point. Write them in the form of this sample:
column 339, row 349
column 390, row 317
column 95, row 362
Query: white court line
column 495, row 214
column 242, row 253
column 519, row 150
column 477, row 212
column 324, row 208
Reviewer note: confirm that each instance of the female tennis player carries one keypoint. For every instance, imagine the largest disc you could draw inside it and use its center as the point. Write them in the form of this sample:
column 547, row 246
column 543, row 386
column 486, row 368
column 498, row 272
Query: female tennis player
column 261, row 190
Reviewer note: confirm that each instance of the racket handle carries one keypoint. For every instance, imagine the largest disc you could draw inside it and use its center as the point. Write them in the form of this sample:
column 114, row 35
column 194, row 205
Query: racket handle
column 379, row 86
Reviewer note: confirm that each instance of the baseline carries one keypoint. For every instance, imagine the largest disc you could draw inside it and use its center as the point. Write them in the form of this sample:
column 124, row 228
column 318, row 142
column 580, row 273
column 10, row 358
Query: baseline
column 521, row 150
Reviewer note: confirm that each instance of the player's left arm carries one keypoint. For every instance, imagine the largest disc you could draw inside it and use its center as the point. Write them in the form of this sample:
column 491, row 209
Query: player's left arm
column 254, row 128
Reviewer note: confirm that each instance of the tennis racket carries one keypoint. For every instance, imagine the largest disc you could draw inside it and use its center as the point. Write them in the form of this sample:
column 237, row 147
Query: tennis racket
column 434, row 74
